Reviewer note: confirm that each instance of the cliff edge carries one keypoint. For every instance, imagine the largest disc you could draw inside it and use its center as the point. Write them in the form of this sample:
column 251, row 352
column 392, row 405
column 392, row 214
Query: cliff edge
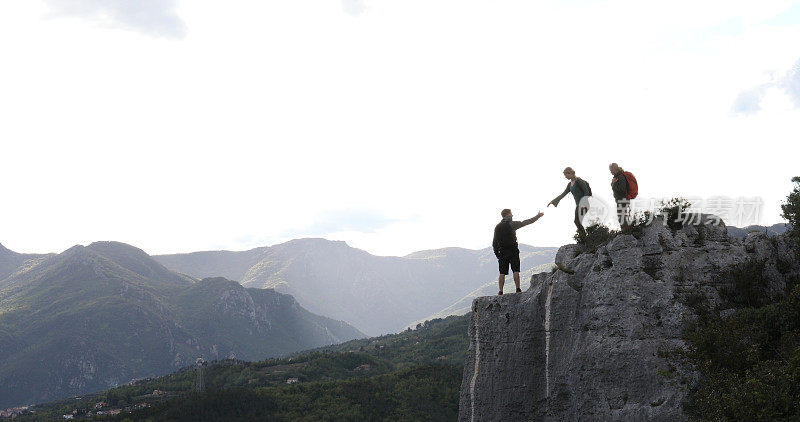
column 591, row 340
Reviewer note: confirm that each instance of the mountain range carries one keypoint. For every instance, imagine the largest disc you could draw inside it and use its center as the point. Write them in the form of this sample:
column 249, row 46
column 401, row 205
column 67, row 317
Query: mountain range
column 376, row 294
column 98, row 316
column 773, row 230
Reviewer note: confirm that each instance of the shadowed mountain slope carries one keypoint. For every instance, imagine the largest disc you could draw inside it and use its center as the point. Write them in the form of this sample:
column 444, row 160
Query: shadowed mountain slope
column 97, row 316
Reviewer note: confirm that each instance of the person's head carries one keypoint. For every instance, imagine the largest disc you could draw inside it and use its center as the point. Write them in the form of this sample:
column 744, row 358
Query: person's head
column 569, row 173
column 506, row 213
column 614, row 168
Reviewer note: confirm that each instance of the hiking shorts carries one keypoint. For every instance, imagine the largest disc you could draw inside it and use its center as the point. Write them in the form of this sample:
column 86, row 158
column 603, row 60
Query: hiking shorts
column 509, row 258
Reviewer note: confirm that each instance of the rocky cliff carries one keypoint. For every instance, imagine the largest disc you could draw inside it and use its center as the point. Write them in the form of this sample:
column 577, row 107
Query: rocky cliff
column 591, row 340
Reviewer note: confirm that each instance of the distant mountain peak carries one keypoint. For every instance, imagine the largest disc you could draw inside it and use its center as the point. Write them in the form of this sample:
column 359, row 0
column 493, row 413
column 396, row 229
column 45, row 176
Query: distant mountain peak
column 318, row 245
column 77, row 250
column 217, row 280
column 316, row 241
column 111, row 245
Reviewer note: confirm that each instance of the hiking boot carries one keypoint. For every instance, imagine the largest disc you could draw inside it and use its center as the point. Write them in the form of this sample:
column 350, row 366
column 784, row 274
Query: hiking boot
column 519, row 290
column 500, row 293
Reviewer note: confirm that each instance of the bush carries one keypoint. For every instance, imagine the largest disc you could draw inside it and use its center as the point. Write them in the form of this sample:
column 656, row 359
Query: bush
column 596, row 236
column 674, row 212
column 744, row 285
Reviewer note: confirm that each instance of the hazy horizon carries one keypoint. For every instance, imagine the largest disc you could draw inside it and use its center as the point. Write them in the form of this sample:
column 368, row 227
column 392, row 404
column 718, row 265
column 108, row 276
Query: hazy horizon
column 262, row 246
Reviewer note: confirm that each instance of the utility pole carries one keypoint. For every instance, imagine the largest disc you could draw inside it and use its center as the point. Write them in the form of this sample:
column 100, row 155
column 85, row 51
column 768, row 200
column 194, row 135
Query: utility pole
column 199, row 385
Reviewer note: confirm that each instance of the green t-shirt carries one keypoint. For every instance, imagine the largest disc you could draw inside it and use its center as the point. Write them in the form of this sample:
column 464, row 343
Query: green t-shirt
column 578, row 190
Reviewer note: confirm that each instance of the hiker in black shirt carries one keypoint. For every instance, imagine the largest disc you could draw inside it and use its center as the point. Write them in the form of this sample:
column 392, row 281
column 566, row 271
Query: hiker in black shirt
column 505, row 245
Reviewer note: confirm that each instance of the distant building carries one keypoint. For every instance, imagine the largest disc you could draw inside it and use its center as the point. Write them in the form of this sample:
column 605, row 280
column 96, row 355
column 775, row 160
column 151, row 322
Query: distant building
column 364, row 367
column 109, row 412
column 14, row 412
column 292, row 380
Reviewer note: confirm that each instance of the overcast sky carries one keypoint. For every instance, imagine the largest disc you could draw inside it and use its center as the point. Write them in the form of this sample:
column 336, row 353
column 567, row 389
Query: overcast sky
column 396, row 126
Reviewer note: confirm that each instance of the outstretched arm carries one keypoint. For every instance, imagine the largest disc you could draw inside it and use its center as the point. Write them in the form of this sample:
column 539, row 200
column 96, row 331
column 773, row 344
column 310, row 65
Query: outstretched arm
column 520, row 224
column 558, row 198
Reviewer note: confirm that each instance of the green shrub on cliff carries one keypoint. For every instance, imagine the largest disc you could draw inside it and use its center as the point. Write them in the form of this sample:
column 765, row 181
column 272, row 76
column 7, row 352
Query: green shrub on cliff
column 791, row 210
column 596, row 236
column 674, row 212
column 750, row 363
column 744, row 285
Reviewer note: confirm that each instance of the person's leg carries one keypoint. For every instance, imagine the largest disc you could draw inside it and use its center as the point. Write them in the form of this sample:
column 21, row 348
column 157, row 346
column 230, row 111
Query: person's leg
column 515, row 268
column 501, row 280
column 578, row 224
column 622, row 210
column 625, row 216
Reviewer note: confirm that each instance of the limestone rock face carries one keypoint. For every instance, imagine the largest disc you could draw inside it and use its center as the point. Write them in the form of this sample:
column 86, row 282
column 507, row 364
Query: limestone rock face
column 565, row 257
column 590, row 340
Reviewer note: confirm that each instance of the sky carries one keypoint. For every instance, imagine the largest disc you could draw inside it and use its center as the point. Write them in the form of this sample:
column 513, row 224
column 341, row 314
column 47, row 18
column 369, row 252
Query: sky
column 396, row 126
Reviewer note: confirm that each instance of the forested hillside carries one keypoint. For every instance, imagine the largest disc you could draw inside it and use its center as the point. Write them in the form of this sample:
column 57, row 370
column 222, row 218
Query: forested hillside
column 413, row 375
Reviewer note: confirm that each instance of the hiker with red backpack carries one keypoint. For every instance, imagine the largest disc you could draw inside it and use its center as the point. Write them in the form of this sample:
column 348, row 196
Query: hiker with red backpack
column 579, row 189
column 625, row 188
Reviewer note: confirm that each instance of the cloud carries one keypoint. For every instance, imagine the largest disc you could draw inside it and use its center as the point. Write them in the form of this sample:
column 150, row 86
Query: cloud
column 791, row 84
column 157, row 18
column 354, row 7
column 749, row 101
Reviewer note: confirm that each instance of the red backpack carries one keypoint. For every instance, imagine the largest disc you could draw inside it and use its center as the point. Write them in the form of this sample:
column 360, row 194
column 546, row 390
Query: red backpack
column 633, row 187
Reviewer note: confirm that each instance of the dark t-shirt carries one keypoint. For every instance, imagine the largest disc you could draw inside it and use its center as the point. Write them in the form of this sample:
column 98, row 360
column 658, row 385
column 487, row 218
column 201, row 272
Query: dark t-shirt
column 505, row 235
column 620, row 187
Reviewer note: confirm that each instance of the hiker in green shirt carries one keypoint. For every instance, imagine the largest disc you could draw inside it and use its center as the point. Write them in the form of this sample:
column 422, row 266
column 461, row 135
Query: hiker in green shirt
column 578, row 188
